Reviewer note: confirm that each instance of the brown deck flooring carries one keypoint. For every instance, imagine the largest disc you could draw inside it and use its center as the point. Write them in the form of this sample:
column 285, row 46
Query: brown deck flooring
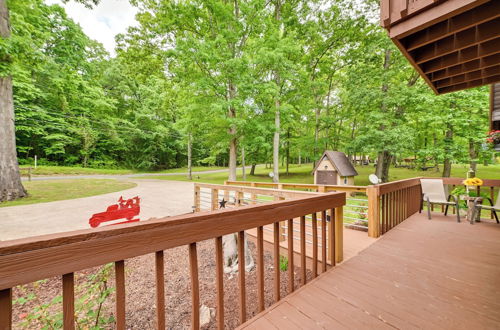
column 422, row 274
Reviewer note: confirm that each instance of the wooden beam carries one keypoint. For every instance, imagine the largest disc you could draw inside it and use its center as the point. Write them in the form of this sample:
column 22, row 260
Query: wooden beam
column 466, row 67
column 464, row 39
column 470, row 76
column 488, row 48
column 443, row 29
column 470, row 84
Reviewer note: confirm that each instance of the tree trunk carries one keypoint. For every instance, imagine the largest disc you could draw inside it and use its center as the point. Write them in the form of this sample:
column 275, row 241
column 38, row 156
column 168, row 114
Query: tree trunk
column 276, row 144
column 473, row 154
column 252, row 170
column 288, row 151
column 233, row 142
column 383, row 163
column 448, row 140
column 190, row 169
column 243, row 169
column 10, row 178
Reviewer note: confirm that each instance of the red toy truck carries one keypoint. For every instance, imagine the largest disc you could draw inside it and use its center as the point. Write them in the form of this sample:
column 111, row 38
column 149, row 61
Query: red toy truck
column 123, row 209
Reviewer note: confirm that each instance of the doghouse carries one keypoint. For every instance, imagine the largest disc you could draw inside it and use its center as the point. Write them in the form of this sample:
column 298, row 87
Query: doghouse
column 334, row 168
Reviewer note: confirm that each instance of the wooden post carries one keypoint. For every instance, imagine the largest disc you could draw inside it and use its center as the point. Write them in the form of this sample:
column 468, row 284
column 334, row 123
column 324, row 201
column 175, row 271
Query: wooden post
column 215, row 199
column 321, row 189
column 282, row 223
column 196, row 198
column 339, row 234
column 226, row 192
column 280, row 186
column 331, row 238
column 253, row 196
column 6, row 309
column 373, row 211
column 239, row 198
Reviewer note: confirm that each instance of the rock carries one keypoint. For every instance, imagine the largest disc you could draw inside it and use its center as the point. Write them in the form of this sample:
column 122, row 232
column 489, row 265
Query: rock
column 205, row 315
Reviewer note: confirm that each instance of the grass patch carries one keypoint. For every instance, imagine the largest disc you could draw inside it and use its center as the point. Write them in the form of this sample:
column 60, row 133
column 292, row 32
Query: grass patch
column 75, row 170
column 56, row 190
column 303, row 174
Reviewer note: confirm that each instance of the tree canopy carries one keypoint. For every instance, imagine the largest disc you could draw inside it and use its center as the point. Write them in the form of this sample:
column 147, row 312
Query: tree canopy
column 273, row 78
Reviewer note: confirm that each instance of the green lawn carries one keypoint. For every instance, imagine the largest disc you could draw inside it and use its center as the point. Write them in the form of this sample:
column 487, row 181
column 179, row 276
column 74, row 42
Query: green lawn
column 303, row 174
column 75, row 170
column 55, row 190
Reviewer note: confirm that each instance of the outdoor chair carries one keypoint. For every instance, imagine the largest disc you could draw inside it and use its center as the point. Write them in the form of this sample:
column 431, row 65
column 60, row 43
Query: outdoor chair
column 478, row 207
column 433, row 192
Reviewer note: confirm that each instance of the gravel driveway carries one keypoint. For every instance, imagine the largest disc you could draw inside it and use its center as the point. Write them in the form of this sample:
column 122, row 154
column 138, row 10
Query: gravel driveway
column 159, row 198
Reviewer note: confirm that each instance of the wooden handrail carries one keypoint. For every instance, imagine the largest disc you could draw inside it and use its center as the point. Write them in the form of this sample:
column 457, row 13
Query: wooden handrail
column 27, row 260
column 315, row 187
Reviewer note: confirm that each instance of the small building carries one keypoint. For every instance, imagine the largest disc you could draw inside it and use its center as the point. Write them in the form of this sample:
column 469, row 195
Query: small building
column 334, row 168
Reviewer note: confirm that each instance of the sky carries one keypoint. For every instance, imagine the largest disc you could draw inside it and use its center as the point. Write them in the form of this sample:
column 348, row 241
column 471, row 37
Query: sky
column 104, row 21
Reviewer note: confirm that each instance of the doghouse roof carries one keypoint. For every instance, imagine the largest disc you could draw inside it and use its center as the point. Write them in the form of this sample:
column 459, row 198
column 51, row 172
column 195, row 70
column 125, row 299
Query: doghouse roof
column 340, row 162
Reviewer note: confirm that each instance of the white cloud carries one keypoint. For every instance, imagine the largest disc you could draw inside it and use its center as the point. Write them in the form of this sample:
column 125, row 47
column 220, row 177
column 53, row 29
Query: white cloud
column 103, row 22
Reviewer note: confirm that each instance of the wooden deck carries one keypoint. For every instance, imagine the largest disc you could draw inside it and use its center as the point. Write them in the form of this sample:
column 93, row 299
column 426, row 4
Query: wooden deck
column 421, row 274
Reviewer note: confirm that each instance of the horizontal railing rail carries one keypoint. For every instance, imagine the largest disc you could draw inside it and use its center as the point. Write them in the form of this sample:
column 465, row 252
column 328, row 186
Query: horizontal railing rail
column 355, row 211
column 312, row 187
column 27, row 260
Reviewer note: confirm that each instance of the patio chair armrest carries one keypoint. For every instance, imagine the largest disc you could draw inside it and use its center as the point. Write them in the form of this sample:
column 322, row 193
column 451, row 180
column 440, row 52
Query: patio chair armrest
column 455, row 198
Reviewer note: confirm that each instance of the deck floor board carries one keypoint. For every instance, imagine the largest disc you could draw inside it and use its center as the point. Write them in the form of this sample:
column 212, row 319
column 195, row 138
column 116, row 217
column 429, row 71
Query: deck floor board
column 433, row 274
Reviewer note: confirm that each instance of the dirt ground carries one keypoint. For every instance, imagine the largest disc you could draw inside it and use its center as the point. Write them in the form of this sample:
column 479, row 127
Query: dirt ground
column 140, row 290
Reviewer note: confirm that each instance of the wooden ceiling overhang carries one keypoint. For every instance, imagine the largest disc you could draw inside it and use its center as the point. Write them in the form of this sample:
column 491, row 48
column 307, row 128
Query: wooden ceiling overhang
column 453, row 44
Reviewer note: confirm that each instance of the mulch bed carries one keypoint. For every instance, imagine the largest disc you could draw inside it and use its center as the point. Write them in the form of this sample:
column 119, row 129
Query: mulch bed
column 140, row 290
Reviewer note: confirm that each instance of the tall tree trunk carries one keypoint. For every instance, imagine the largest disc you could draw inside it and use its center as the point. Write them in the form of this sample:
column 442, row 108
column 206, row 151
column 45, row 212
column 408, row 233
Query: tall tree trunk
column 190, row 168
column 277, row 115
column 276, row 144
column 243, row 169
column 448, row 140
column 384, row 156
column 252, row 170
column 473, row 154
column 288, row 151
column 233, row 142
column 10, row 179
column 383, row 163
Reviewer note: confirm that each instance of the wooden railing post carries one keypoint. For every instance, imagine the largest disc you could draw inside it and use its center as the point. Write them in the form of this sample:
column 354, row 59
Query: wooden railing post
column 339, row 234
column 226, row 192
column 282, row 224
column 321, row 189
column 6, row 309
column 373, row 211
column 253, row 196
column 196, row 198
column 215, row 199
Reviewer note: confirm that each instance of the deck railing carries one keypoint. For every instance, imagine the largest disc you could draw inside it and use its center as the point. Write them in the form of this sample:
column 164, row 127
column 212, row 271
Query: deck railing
column 209, row 196
column 392, row 203
column 355, row 215
column 27, row 260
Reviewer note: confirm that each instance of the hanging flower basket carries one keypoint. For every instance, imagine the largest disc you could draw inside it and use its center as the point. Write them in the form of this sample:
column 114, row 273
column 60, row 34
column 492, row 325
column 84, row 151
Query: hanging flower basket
column 493, row 138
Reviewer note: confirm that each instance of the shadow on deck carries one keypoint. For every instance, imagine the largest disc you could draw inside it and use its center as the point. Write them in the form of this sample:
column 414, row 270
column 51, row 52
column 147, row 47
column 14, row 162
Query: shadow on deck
column 421, row 274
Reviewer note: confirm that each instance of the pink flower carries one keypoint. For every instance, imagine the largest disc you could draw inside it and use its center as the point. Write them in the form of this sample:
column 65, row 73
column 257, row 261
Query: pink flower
column 23, row 316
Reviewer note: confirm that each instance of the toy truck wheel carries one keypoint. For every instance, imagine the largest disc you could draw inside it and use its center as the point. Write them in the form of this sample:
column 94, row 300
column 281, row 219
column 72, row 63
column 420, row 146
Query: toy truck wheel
column 94, row 222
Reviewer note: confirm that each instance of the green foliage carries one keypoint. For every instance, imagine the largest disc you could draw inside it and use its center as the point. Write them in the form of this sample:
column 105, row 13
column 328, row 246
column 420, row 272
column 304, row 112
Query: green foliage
column 283, row 263
column 216, row 71
column 91, row 294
